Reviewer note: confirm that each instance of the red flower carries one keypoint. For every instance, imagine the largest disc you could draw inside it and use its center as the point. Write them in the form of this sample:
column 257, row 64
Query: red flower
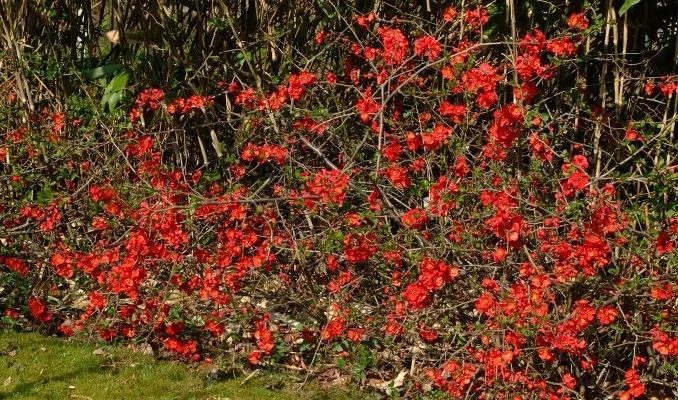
column 15, row 264
column 264, row 152
column 485, row 304
column 398, row 177
column 332, row 263
column 428, row 335
column 436, row 138
column 417, row 296
column 578, row 21
column 636, row 388
column 97, row 300
column 540, row 148
column 454, row 111
column 500, row 254
column 662, row 292
column 39, row 309
column 607, row 314
column 580, row 161
column 428, row 46
column 63, row 264
column 264, row 336
column 632, row 135
column 577, row 181
column 476, row 17
column 365, row 20
column 330, row 185
column 415, row 218
column 393, row 151
column 434, row 275
column 562, row 46
column 367, row 106
column 215, row 328
column 395, row 45
column 356, row 334
column 664, row 244
column 320, row 37
column 664, row 344
column 450, row 14
column 255, row 357
column 484, row 77
column 394, row 328
column 359, row 248
column 334, row 328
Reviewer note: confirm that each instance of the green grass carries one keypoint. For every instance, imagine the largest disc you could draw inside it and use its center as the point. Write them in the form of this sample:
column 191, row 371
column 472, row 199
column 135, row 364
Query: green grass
column 38, row 367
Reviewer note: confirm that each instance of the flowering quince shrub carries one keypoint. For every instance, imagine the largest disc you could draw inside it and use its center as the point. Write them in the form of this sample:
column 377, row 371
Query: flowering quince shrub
column 467, row 210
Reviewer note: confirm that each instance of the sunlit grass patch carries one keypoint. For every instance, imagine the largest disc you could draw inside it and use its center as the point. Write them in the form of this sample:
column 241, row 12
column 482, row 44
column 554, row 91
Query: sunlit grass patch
column 38, row 367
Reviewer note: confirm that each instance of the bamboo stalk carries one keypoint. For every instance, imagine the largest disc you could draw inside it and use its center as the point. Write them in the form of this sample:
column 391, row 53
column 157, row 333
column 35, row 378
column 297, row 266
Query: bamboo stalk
column 603, row 92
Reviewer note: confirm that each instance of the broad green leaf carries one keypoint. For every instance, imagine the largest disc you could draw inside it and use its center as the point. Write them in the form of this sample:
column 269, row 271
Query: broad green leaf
column 113, row 92
column 118, row 83
column 113, row 100
column 98, row 72
column 627, row 5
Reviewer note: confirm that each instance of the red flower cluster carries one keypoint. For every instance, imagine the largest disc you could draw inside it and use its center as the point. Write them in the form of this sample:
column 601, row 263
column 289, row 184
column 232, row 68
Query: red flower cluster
column 298, row 84
column 359, row 248
column 441, row 194
column 428, row 46
column 264, row 152
column 435, row 139
column 664, row 344
column 578, row 21
column 398, row 176
column 415, row 218
column 367, row 106
column 148, row 99
column 16, row 264
column 636, row 387
column 39, row 309
column 433, row 275
column 506, row 128
column 330, row 185
column 264, row 336
column 334, row 328
column 186, row 105
column 453, row 111
column 186, row 348
column 48, row 217
column 395, row 45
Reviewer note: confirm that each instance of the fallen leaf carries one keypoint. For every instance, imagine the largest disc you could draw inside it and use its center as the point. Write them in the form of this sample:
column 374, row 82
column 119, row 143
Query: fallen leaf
column 12, row 353
column 99, row 352
column 7, row 382
column 113, row 36
column 400, row 379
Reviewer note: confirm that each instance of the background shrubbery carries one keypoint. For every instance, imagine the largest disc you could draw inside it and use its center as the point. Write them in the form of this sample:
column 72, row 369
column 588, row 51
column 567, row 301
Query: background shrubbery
column 471, row 198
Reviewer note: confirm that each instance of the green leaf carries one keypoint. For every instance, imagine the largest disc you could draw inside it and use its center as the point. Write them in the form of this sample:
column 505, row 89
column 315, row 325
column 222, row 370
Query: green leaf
column 45, row 195
column 113, row 100
column 627, row 5
column 98, row 72
column 113, row 92
column 118, row 83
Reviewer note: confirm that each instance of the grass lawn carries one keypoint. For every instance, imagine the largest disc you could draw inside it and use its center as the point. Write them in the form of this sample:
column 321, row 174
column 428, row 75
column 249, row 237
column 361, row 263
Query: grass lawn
column 38, row 367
